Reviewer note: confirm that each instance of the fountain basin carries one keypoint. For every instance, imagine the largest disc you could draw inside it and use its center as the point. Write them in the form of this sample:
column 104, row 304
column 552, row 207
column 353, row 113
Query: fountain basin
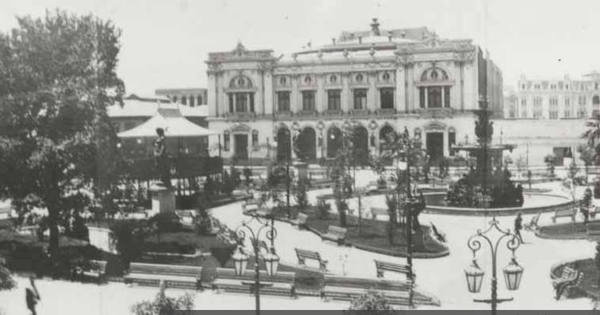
column 533, row 203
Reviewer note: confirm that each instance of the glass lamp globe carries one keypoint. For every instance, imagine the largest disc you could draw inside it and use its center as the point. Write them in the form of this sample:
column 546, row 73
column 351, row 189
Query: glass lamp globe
column 474, row 276
column 513, row 274
column 271, row 262
column 240, row 262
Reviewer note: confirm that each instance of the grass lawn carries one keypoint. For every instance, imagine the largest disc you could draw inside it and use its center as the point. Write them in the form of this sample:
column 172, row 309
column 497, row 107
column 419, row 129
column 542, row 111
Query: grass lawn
column 373, row 233
column 572, row 230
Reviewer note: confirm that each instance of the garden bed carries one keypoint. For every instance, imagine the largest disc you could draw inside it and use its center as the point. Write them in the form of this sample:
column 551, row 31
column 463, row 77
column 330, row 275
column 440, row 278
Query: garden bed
column 373, row 235
column 563, row 231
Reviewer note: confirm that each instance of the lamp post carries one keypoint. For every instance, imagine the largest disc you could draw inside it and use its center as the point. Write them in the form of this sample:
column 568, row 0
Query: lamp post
column 407, row 147
column 240, row 259
column 513, row 272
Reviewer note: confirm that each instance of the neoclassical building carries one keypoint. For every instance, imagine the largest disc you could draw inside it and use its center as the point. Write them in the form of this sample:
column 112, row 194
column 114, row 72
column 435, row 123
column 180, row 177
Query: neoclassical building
column 375, row 80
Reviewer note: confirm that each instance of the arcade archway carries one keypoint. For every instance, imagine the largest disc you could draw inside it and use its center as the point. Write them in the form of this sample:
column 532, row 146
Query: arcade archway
column 306, row 145
column 360, row 139
column 284, row 147
column 334, row 141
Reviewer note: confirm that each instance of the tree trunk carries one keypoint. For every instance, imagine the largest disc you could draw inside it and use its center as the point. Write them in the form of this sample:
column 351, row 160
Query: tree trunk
column 53, row 226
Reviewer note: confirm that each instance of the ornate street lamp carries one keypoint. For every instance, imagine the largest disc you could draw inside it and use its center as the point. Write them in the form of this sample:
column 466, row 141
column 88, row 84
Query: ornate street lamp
column 512, row 273
column 240, row 259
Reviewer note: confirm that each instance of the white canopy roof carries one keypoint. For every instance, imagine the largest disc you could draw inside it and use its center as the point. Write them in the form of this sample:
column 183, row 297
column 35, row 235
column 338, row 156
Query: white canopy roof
column 168, row 117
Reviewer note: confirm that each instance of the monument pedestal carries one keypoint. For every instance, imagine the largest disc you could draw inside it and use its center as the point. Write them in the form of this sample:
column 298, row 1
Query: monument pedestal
column 163, row 199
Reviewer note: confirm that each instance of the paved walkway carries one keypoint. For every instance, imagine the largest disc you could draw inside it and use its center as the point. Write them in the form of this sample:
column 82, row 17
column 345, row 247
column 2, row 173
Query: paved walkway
column 444, row 277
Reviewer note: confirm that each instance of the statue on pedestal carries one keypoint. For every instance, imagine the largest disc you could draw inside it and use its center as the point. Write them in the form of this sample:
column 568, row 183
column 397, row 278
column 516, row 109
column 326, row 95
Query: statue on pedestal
column 161, row 158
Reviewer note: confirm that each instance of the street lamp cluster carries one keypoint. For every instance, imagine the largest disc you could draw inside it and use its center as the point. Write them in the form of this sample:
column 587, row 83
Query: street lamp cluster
column 240, row 259
column 513, row 272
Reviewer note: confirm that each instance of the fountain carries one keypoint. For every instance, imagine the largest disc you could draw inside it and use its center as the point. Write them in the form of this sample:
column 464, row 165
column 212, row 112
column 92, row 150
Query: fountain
column 482, row 186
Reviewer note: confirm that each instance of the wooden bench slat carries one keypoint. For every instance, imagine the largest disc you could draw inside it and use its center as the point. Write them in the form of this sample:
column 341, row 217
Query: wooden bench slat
column 173, row 275
column 303, row 254
column 382, row 266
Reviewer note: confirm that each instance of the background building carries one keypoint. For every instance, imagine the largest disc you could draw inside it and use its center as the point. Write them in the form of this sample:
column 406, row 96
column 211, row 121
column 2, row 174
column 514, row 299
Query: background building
column 192, row 97
column 377, row 80
column 556, row 98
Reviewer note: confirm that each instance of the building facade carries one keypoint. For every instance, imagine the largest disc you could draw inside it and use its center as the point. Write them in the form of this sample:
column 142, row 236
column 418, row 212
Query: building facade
column 555, row 99
column 191, row 97
column 377, row 80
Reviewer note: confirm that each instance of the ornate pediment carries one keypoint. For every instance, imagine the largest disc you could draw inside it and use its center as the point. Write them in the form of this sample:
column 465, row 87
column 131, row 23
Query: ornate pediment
column 435, row 126
column 240, row 128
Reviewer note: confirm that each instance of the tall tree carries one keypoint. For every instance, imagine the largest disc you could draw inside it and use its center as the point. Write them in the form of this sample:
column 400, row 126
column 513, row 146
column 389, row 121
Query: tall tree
column 57, row 76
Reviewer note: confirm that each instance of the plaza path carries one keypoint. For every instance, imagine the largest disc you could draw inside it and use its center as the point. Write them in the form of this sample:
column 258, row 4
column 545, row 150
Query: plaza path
column 444, row 277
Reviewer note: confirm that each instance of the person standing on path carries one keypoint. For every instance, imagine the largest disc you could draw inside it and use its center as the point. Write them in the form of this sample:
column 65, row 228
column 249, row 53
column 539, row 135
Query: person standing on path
column 32, row 296
column 519, row 227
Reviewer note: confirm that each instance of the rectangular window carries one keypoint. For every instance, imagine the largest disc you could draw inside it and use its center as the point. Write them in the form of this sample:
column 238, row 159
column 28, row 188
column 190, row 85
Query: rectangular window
column 360, row 99
column 387, row 98
column 308, row 100
column 422, row 97
column 283, row 101
column 554, row 114
column 434, row 97
column 226, row 141
column 447, row 96
column 524, row 102
column 333, row 100
column 582, row 100
column 567, row 101
column 241, row 102
column 567, row 113
column 451, row 142
column 553, row 101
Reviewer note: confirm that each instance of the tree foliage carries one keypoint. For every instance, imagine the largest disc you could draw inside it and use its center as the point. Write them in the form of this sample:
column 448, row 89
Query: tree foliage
column 163, row 303
column 57, row 75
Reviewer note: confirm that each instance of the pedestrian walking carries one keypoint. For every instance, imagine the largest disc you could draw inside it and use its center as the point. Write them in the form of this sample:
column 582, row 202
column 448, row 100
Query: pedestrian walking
column 519, row 227
column 32, row 296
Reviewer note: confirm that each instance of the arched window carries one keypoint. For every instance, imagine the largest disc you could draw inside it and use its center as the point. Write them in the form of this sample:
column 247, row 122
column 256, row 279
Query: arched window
column 359, row 78
column 241, row 95
column 241, row 82
column 199, row 100
column 184, row 100
column 307, row 80
column 192, row 99
column 596, row 100
column 434, row 89
column 333, row 79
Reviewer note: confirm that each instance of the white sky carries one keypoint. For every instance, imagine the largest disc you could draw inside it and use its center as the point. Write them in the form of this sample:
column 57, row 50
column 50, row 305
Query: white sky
column 165, row 42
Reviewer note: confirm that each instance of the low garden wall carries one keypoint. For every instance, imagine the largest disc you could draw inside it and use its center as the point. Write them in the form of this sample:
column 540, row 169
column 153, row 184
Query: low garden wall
column 501, row 211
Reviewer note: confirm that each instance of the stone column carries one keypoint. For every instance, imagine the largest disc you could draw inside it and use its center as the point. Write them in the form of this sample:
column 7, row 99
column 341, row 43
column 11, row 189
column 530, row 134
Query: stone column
column 269, row 103
column 400, row 90
column 346, row 95
column 372, row 103
column 446, row 150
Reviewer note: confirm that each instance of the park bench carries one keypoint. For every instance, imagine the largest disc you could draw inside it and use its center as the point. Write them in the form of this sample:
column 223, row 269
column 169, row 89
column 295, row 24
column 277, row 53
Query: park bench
column 95, row 270
column 304, row 254
column 378, row 211
column 173, row 276
column 251, row 205
column 373, row 186
column 569, row 278
column 335, row 233
column 227, row 236
column 533, row 224
column 300, row 220
column 281, row 283
column 395, row 292
column 382, row 266
column 568, row 211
